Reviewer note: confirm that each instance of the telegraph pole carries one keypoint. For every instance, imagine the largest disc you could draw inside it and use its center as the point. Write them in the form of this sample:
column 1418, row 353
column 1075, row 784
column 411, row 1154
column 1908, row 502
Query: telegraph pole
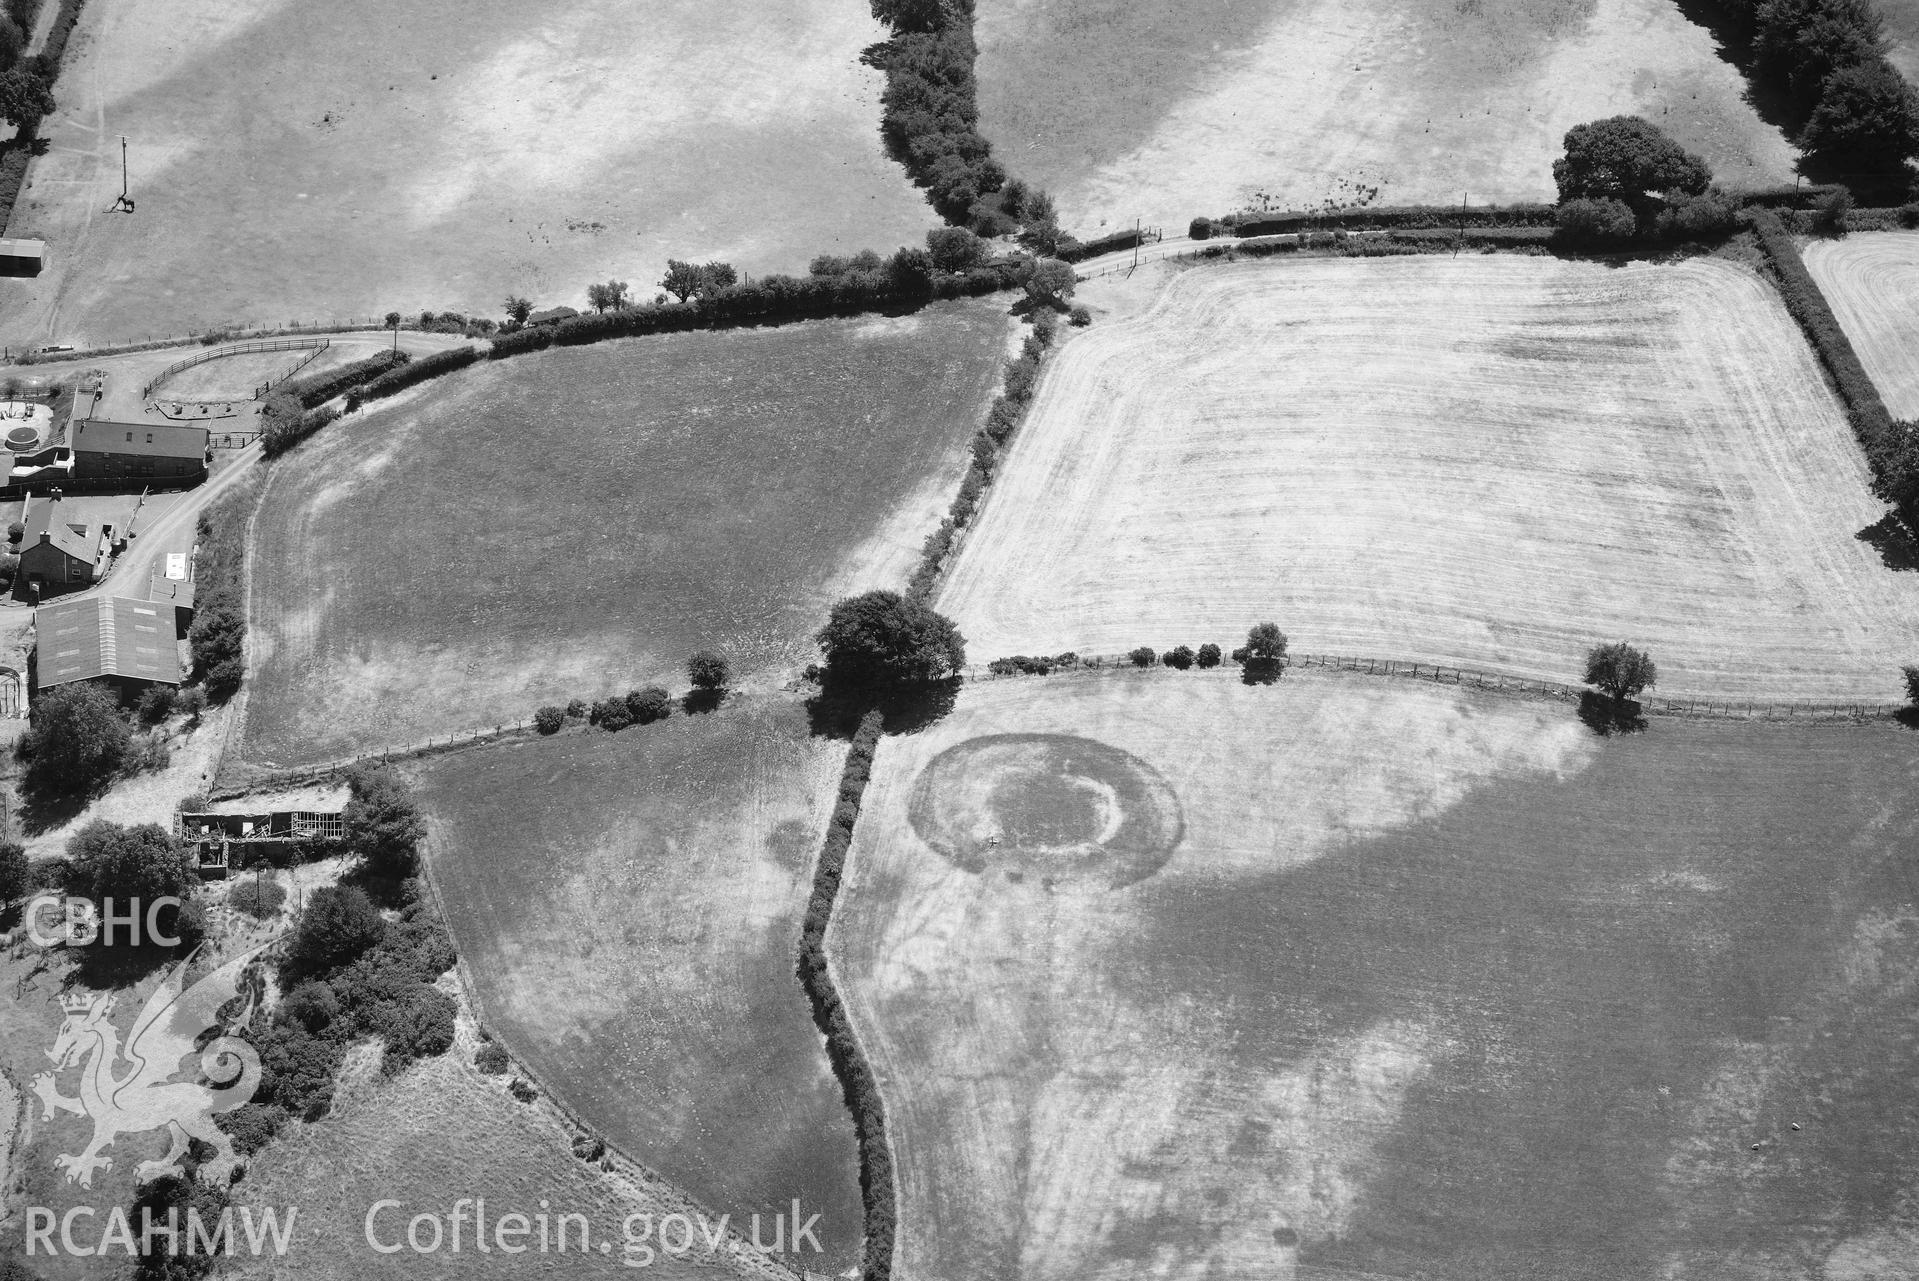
column 125, row 203
column 1135, row 240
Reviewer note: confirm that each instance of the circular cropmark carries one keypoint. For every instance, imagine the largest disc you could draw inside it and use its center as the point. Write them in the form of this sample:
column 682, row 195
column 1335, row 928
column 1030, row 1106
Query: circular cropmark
column 1068, row 810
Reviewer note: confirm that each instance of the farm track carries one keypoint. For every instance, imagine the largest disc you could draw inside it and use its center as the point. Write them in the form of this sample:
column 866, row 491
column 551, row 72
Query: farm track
column 1871, row 279
column 1489, row 463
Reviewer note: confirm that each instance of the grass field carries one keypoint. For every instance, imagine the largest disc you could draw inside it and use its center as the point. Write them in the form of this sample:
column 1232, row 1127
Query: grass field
column 439, row 1133
column 581, row 520
column 1428, row 983
column 1163, row 112
column 1488, row 461
column 1871, row 278
column 298, row 162
column 629, row 906
column 1902, row 31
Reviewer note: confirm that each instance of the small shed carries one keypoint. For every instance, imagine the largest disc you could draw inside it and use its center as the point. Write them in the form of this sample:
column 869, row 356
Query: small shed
column 21, row 257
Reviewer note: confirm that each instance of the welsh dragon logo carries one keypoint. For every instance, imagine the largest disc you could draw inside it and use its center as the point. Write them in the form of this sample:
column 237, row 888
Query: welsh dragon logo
column 131, row 1090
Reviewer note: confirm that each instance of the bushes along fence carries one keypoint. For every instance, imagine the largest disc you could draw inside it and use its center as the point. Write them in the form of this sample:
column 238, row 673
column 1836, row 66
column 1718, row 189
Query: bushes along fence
column 13, row 164
column 320, row 388
column 1408, row 217
column 218, row 635
column 877, row 1190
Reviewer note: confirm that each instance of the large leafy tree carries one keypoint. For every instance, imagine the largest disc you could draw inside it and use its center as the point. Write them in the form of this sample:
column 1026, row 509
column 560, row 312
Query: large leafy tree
column 883, row 639
column 25, row 97
column 1799, row 43
column 78, row 740
column 382, row 824
column 1620, row 671
column 1867, row 120
column 1626, row 158
column 338, row 924
column 107, row 860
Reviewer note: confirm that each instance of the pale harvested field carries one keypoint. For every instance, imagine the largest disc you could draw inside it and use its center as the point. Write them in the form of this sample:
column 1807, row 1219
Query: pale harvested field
column 322, row 162
column 1871, row 278
column 1166, row 111
column 1412, row 993
column 628, row 906
column 1490, row 461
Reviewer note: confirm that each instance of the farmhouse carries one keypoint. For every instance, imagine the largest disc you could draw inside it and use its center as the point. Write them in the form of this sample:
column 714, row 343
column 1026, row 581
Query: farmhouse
column 59, row 551
column 105, row 450
column 21, row 257
column 110, row 637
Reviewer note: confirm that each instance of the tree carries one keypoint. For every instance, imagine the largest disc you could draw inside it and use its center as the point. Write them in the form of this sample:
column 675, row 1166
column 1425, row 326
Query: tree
column 955, row 248
column 1867, row 120
column 518, row 308
column 1048, row 281
column 549, row 719
column 78, row 739
column 16, row 873
column 382, row 824
column 1626, row 158
column 1200, row 228
column 106, row 860
column 1143, row 656
column 1208, row 655
column 1620, row 671
column 1265, row 643
column 707, row 670
column 337, row 926
column 884, row 639
column 682, row 279
column 1911, row 673
column 1800, row 44
column 1180, row 657
column 1602, row 221
column 910, row 271
column 25, row 97
column 717, row 275
column 393, row 319
column 610, row 296
column 648, row 705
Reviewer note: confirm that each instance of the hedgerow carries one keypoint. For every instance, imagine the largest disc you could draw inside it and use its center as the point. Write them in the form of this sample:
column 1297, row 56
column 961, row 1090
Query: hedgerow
column 218, row 634
column 321, row 388
column 1409, row 217
column 403, row 376
column 989, row 445
column 857, row 1083
column 1888, row 445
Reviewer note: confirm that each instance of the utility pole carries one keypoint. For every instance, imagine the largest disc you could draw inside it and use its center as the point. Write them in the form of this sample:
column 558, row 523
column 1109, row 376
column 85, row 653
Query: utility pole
column 125, row 203
column 1135, row 241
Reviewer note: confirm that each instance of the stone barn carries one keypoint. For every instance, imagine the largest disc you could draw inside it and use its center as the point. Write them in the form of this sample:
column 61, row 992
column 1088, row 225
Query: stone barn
column 168, row 453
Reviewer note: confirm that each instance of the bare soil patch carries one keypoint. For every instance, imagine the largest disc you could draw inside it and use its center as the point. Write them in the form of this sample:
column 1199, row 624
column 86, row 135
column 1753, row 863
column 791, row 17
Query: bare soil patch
column 1164, row 112
column 1433, row 984
column 1871, row 278
column 293, row 162
column 1493, row 462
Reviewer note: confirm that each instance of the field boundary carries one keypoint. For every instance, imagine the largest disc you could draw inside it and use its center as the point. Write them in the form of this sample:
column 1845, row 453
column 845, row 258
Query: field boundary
column 1696, row 706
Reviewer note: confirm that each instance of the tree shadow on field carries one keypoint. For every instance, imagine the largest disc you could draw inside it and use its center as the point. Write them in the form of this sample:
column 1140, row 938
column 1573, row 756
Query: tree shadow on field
column 1262, row 671
column 1893, row 541
column 699, row 702
column 1908, row 717
column 43, row 808
column 835, row 711
column 1605, row 716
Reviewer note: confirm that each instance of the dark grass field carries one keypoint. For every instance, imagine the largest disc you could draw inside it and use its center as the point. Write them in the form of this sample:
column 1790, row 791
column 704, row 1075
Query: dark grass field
column 629, row 906
column 1710, row 935
column 1533, row 1029
column 580, row 521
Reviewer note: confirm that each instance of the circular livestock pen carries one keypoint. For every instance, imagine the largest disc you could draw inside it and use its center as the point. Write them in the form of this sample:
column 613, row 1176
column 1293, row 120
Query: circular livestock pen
column 241, row 372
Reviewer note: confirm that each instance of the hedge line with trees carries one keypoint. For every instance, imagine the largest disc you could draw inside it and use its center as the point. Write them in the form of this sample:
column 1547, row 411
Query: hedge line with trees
column 909, row 279
column 26, row 89
column 1819, row 69
column 929, row 121
column 218, row 635
column 877, row 1192
column 1410, row 217
column 402, row 376
column 320, row 388
column 989, row 447
column 1891, row 447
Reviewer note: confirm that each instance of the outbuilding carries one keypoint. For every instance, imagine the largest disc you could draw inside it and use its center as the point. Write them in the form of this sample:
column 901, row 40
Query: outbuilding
column 21, row 257
column 123, row 640
column 149, row 451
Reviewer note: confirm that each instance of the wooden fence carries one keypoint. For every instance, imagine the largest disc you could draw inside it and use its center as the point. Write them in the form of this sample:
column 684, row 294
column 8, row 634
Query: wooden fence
column 1652, row 704
column 246, row 348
